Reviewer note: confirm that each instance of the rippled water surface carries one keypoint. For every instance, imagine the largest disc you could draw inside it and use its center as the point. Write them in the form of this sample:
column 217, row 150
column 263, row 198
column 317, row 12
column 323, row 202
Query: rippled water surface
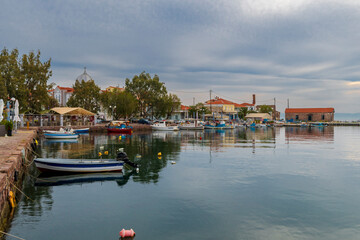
column 284, row 183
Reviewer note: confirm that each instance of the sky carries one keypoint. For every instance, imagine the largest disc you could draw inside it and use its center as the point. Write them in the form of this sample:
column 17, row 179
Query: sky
column 303, row 50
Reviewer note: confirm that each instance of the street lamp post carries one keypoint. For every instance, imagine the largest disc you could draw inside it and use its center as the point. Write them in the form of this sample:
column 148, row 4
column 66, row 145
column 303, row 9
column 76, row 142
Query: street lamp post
column 112, row 111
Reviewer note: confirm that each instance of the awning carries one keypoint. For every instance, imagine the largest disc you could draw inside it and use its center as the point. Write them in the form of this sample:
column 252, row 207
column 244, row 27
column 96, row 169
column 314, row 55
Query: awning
column 72, row 111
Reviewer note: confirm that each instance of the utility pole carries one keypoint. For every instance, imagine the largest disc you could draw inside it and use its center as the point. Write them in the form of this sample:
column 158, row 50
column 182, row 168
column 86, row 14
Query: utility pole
column 210, row 102
column 193, row 101
column 288, row 104
column 274, row 111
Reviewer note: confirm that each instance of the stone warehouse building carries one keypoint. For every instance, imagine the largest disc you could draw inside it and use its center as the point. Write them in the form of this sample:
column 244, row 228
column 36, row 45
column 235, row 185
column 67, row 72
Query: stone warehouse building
column 310, row 114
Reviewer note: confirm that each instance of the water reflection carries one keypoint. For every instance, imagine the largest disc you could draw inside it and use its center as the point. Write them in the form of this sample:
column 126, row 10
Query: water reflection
column 310, row 134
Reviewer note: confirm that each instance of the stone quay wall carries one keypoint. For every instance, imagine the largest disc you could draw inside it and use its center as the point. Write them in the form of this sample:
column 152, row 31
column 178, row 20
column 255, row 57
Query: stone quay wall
column 15, row 154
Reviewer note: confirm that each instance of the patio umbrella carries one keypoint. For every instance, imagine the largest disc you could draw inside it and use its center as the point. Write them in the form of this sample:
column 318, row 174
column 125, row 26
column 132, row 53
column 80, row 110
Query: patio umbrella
column 16, row 112
column 1, row 109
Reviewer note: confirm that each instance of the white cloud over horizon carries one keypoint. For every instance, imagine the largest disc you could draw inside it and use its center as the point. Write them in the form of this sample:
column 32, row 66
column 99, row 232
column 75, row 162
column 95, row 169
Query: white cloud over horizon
column 298, row 49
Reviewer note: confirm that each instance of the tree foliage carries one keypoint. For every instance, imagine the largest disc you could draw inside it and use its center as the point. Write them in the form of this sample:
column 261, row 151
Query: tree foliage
column 265, row 109
column 148, row 91
column 125, row 103
column 200, row 108
column 86, row 95
column 25, row 79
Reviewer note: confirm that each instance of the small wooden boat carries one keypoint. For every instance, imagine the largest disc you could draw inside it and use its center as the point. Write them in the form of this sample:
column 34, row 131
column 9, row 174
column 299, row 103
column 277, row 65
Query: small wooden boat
column 119, row 127
column 78, row 165
column 162, row 126
column 191, row 126
column 81, row 130
column 61, row 135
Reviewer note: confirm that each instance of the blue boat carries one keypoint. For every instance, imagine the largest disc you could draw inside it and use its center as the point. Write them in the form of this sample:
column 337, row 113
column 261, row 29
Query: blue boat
column 81, row 130
column 78, row 165
column 61, row 135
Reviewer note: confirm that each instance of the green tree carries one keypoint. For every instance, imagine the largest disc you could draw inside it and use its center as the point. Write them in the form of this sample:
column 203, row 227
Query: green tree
column 25, row 79
column 200, row 108
column 125, row 102
column 243, row 112
column 86, row 95
column 36, row 75
column 148, row 91
column 265, row 109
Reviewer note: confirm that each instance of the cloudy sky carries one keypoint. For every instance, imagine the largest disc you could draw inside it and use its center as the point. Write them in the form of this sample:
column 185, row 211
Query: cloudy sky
column 303, row 50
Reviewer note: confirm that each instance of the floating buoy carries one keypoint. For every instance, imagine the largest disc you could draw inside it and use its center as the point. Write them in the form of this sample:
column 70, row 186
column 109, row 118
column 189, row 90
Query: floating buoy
column 119, row 137
column 12, row 199
column 126, row 233
column 159, row 157
column 159, row 153
column 106, row 153
column 100, row 154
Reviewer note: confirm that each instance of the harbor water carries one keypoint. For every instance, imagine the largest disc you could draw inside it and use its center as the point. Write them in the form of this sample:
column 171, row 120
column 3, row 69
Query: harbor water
column 281, row 183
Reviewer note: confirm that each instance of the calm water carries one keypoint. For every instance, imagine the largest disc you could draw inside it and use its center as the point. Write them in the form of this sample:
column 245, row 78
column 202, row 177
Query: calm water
column 285, row 183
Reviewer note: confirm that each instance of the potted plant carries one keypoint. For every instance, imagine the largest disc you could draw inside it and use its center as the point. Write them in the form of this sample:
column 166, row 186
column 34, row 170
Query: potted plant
column 9, row 127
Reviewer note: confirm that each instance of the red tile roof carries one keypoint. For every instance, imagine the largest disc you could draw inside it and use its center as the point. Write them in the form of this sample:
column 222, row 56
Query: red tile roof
column 309, row 110
column 220, row 101
column 184, row 107
column 68, row 89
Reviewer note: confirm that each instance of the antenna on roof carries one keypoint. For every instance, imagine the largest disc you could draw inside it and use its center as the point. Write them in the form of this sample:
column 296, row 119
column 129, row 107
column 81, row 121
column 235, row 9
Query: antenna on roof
column 84, row 69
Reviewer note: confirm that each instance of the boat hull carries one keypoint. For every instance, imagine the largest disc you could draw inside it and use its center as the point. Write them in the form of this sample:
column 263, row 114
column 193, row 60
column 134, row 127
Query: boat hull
column 61, row 135
column 191, row 128
column 120, row 130
column 83, row 130
column 78, row 165
column 167, row 128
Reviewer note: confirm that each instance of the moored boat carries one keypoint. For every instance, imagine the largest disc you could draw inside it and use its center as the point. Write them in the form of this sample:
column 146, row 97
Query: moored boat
column 78, row 165
column 163, row 126
column 119, row 127
column 81, row 130
column 61, row 135
column 191, row 126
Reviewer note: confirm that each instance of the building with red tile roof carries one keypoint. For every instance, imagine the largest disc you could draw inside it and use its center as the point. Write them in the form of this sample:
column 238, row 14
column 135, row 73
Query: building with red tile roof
column 310, row 114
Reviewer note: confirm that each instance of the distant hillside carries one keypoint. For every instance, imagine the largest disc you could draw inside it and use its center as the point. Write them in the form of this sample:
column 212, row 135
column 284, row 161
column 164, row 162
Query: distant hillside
column 347, row 116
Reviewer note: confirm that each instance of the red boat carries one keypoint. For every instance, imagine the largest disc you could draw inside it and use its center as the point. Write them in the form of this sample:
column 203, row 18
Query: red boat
column 126, row 130
column 119, row 127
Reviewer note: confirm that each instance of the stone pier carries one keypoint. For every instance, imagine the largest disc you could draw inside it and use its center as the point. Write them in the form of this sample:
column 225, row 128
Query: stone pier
column 15, row 153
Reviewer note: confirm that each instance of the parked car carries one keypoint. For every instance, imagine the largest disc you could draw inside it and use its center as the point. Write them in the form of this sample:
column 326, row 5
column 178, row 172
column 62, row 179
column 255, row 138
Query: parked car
column 144, row 121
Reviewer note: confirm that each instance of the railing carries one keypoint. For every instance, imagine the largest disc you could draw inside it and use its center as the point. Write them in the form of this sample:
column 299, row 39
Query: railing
column 40, row 120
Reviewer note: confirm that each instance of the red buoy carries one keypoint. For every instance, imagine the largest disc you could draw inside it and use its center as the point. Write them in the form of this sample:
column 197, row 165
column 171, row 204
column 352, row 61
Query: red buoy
column 127, row 233
column 200, row 138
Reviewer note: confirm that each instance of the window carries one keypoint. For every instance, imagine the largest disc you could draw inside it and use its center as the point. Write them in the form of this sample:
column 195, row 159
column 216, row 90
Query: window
column 296, row 117
column 323, row 117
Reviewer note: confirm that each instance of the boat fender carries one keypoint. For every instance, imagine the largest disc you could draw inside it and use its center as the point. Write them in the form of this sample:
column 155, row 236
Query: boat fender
column 119, row 137
column 200, row 138
column 126, row 233
column 106, row 153
column 100, row 154
column 12, row 199
column 159, row 154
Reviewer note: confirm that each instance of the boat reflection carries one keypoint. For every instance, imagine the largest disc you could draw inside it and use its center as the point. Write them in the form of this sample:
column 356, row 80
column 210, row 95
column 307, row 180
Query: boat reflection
column 46, row 179
column 60, row 141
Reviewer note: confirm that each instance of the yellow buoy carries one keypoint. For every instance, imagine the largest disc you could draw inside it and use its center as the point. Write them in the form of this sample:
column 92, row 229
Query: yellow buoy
column 12, row 199
column 106, row 153
column 119, row 137
column 159, row 157
column 159, row 154
column 100, row 154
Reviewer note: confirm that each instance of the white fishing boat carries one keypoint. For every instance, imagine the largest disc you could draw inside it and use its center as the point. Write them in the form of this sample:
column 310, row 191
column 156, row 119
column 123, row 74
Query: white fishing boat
column 191, row 126
column 61, row 135
column 78, row 165
column 163, row 126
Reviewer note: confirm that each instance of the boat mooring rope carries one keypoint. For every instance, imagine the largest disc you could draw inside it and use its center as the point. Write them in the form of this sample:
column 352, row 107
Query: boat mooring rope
column 12, row 235
column 19, row 189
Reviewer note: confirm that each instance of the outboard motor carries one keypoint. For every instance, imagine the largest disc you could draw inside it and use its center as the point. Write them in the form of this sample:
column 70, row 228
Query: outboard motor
column 122, row 156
